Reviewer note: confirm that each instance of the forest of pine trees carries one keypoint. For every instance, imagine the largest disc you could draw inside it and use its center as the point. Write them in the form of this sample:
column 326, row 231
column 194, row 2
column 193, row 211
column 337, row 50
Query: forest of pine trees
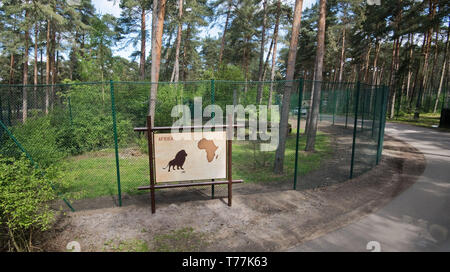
column 401, row 43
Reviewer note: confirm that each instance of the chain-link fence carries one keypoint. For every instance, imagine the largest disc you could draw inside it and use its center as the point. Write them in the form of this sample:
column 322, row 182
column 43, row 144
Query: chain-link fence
column 86, row 130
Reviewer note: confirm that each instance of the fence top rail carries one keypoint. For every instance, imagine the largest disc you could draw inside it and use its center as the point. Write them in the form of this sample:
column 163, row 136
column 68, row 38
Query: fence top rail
column 204, row 81
column 55, row 85
column 179, row 82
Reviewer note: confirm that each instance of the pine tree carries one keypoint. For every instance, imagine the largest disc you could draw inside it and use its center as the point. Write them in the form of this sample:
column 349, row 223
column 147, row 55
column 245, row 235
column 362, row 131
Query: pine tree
column 279, row 155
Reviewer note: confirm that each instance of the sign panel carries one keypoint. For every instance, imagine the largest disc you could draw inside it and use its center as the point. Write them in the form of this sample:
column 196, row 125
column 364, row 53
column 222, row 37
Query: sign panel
column 190, row 156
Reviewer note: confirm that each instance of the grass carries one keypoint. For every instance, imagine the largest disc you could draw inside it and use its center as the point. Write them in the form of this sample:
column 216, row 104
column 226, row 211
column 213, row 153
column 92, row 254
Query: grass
column 425, row 119
column 93, row 174
column 252, row 165
column 181, row 240
column 131, row 245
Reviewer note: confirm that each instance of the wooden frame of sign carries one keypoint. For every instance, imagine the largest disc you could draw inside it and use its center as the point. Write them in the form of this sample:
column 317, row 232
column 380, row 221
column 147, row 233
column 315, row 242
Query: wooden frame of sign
column 151, row 155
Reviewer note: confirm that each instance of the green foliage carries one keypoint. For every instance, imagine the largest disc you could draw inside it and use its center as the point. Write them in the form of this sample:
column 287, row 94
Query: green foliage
column 24, row 196
column 54, row 136
column 142, row 143
column 38, row 136
column 253, row 165
column 132, row 100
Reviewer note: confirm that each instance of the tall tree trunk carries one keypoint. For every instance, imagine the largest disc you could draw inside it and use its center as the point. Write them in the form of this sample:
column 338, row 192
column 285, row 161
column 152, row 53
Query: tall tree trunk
column 274, row 52
column 366, row 65
column 35, row 72
column 267, row 60
column 391, row 79
column 284, row 120
column 380, row 75
column 25, row 74
column 261, row 54
column 167, row 48
column 444, row 67
column 222, row 45
column 435, row 60
column 11, row 69
column 157, row 25
column 11, row 81
column 47, row 69
column 375, row 62
column 416, row 78
column 342, row 60
column 176, row 67
column 395, row 78
column 143, row 39
column 53, row 66
column 185, row 50
column 320, row 52
column 423, row 76
column 245, row 64
column 414, row 86
column 408, row 80
column 354, row 73
column 41, row 53
column 57, row 66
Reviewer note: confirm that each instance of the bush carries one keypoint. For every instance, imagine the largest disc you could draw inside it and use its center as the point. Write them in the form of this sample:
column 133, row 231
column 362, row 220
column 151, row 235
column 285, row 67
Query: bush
column 51, row 137
column 24, row 196
column 38, row 136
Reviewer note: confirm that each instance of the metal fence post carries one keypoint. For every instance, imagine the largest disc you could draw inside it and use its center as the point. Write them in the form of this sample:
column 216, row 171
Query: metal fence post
column 321, row 98
column 70, row 111
column 334, row 102
column 299, row 114
column 374, row 111
column 382, row 124
column 116, row 145
column 9, row 108
column 355, row 125
column 213, row 114
column 347, row 106
column 363, row 104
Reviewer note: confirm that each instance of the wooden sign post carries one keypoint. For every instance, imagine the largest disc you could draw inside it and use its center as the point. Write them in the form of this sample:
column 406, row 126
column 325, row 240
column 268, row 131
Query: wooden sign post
column 190, row 165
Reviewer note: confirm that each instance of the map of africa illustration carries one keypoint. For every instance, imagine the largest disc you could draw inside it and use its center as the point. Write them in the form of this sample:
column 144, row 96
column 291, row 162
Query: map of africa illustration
column 209, row 147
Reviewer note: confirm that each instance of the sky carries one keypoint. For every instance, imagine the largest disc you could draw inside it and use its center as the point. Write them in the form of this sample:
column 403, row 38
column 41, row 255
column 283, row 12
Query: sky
column 112, row 7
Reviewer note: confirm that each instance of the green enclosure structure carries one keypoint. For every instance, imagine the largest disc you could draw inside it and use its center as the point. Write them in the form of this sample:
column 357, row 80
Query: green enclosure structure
column 86, row 130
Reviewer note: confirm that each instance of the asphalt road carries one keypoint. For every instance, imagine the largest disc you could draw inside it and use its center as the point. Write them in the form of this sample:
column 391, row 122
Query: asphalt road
column 417, row 220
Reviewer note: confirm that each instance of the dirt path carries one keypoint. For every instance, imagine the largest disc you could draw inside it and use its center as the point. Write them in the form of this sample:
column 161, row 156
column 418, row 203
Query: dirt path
column 265, row 221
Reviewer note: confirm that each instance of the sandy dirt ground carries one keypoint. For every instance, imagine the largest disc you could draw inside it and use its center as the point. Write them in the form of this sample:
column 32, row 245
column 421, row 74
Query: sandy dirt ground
column 265, row 220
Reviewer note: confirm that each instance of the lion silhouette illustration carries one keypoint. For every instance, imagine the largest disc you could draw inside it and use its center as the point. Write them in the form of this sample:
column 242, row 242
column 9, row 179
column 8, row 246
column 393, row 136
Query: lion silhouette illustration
column 179, row 160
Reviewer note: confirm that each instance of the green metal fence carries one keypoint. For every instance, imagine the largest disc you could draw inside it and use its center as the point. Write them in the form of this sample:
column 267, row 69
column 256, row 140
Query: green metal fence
column 86, row 129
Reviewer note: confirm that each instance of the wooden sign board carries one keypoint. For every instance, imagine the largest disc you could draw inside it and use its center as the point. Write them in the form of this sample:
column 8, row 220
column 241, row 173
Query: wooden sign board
column 190, row 156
